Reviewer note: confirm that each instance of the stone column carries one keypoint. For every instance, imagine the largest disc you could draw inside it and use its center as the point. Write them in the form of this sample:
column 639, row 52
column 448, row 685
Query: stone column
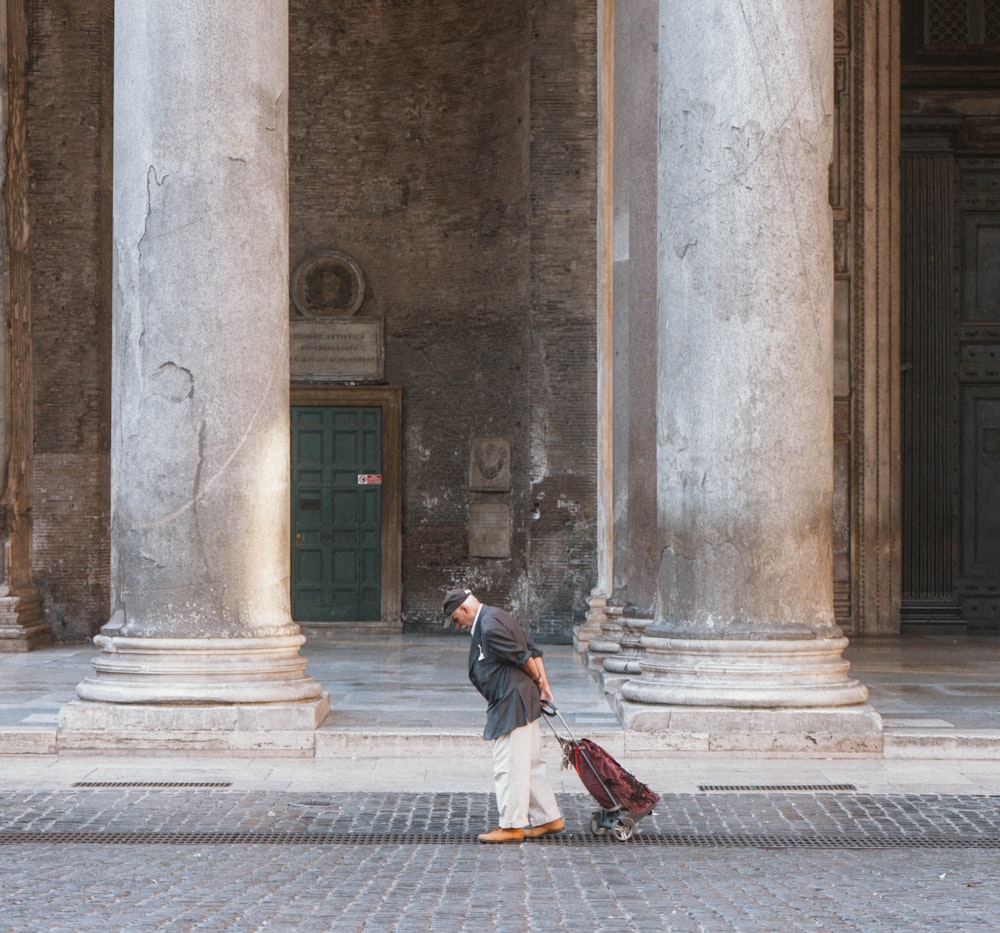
column 744, row 604
column 627, row 311
column 598, row 599
column 201, row 648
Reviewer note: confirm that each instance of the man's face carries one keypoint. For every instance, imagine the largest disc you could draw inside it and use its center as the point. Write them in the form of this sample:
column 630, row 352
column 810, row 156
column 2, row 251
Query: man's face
column 463, row 616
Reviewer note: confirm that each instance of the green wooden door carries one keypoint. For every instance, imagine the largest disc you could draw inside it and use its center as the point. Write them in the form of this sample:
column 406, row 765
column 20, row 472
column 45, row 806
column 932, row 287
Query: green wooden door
column 336, row 514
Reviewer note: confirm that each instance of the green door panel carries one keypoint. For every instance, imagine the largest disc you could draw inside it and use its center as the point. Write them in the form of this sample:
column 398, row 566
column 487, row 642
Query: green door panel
column 336, row 516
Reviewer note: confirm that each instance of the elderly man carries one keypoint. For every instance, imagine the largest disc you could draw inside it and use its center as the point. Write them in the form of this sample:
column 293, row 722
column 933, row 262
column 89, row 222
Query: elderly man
column 507, row 670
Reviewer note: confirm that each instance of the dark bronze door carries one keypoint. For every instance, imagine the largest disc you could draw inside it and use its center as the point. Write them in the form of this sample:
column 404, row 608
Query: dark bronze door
column 950, row 385
column 979, row 388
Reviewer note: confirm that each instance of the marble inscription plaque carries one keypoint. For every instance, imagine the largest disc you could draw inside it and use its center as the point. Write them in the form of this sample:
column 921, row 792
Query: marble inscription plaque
column 337, row 350
column 489, row 530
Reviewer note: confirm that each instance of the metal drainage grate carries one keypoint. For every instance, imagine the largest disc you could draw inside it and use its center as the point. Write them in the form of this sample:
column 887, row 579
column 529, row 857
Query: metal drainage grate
column 152, row 784
column 774, row 788
column 572, row 840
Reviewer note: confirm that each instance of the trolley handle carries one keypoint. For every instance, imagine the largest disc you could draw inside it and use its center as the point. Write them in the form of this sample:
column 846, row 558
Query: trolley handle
column 550, row 711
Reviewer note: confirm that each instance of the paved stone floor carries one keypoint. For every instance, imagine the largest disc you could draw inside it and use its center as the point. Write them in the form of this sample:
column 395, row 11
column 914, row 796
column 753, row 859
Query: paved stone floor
column 385, row 842
column 185, row 858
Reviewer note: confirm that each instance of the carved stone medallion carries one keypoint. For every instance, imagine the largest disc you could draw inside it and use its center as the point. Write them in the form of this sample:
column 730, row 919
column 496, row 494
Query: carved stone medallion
column 328, row 284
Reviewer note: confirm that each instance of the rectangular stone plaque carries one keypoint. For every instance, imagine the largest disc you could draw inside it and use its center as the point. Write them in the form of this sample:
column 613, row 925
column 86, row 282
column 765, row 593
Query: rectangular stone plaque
column 337, row 350
column 489, row 530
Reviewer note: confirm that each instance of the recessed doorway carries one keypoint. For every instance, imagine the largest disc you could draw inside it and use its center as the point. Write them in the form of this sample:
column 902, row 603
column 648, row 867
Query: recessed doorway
column 345, row 508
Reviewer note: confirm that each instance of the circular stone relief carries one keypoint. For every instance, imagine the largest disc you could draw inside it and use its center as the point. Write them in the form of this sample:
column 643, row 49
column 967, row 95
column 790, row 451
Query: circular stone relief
column 328, row 284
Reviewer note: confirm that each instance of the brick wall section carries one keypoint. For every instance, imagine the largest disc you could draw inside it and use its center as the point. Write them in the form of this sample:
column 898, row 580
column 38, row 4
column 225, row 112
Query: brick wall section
column 563, row 322
column 450, row 149
column 70, row 310
column 562, row 568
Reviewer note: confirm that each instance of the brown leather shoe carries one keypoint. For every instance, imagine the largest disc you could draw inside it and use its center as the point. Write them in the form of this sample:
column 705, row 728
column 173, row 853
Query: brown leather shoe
column 502, row 835
column 553, row 826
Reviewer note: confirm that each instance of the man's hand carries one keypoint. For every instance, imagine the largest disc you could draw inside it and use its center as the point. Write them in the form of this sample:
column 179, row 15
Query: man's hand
column 536, row 669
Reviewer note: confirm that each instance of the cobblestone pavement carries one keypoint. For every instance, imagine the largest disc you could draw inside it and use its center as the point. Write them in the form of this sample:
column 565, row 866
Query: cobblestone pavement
column 144, row 858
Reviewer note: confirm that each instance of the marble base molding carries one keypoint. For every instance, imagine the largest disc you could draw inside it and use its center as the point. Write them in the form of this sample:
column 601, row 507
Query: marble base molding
column 199, row 670
column 744, row 673
column 631, row 648
column 591, row 626
column 225, row 695
column 606, row 642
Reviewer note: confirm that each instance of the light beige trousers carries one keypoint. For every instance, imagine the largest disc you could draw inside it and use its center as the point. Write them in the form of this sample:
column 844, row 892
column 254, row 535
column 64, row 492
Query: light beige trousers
column 524, row 795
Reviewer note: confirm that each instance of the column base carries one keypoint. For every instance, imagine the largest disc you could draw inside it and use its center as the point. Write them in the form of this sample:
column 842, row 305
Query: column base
column 605, row 642
column 592, row 627
column 177, row 671
column 745, row 673
column 22, row 627
column 855, row 730
column 612, row 682
column 620, row 668
column 231, row 696
column 285, row 729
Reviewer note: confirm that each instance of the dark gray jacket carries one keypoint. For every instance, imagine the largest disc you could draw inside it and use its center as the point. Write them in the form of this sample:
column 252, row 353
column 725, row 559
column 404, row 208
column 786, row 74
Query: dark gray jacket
column 499, row 646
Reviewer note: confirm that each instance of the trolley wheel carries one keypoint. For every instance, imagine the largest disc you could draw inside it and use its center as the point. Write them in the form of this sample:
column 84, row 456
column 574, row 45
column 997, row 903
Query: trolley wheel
column 595, row 826
column 623, row 831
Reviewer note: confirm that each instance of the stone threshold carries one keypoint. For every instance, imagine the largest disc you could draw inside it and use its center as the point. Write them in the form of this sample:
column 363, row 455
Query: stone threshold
column 310, row 730
column 926, row 744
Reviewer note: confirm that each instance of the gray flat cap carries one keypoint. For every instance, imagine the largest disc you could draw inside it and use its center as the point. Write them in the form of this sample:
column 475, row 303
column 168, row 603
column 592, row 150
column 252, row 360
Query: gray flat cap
column 452, row 600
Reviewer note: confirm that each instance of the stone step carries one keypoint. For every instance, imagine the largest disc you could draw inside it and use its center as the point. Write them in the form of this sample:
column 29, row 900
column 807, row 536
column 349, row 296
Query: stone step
column 20, row 740
column 926, row 744
column 455, row 744
column 388, row 743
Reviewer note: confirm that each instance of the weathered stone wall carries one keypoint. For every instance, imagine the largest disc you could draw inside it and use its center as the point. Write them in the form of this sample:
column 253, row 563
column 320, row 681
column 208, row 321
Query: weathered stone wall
column 68, row 109
column 449, row 148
